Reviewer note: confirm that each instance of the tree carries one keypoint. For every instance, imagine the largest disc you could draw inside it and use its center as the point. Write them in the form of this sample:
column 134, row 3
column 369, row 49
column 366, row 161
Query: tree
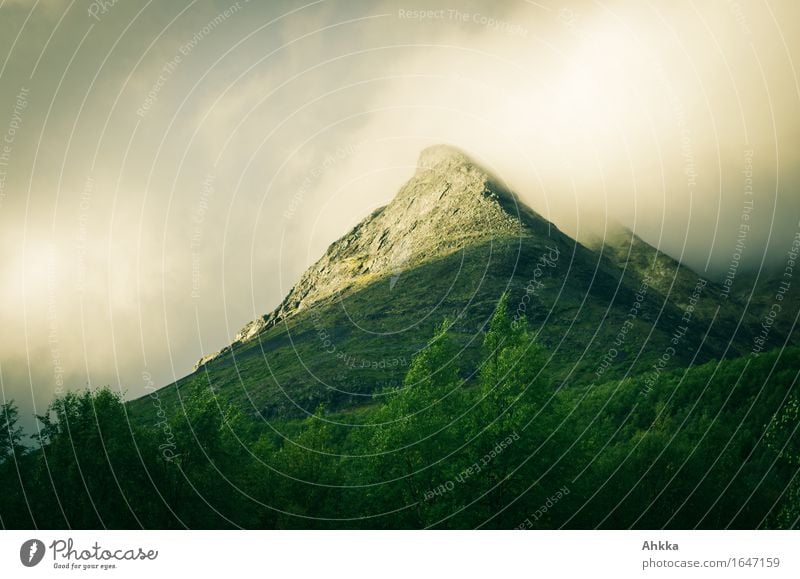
column 10, row 433
column 95, row 467
column 204, row 471
column 783, row 438
column 417, row 432
column 307, row 463
column 13, row 461
column 513, row 379
column 512, row 417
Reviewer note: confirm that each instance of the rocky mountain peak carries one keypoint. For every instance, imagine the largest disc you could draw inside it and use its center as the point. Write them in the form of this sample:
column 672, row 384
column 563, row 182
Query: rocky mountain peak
column 448, row 204
column 442, row 157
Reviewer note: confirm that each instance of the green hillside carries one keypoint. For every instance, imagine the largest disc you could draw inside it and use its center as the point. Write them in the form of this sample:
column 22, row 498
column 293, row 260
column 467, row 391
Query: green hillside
column 712, row 446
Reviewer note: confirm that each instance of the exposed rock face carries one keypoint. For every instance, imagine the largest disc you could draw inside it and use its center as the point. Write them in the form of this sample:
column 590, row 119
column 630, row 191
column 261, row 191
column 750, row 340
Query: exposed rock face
column 448, row 204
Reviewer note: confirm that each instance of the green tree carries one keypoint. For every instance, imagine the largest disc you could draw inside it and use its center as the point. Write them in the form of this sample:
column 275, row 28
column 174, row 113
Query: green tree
column 512, row 417
column 417, row 433
column 95, row 468
column 782, row 437
column 513, row 379
column 204, row 469
column 13, row 469
column 307, row 463
column 10, row 432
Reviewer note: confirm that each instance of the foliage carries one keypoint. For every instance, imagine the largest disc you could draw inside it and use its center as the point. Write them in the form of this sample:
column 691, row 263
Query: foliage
column 10, row 433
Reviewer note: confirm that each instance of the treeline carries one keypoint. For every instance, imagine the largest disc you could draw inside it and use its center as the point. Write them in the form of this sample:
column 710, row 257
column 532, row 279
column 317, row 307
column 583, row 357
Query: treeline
column 714, row 446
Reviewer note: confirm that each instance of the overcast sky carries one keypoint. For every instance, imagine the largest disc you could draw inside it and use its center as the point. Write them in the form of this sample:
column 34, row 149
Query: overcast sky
column 169, row 168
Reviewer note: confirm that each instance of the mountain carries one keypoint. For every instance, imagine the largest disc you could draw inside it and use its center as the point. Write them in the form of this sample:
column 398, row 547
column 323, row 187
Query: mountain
column 449, row 204
column 450, row 243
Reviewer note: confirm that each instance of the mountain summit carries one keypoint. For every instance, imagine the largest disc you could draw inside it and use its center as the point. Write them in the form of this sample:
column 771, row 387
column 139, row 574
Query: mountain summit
column 451, row 202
